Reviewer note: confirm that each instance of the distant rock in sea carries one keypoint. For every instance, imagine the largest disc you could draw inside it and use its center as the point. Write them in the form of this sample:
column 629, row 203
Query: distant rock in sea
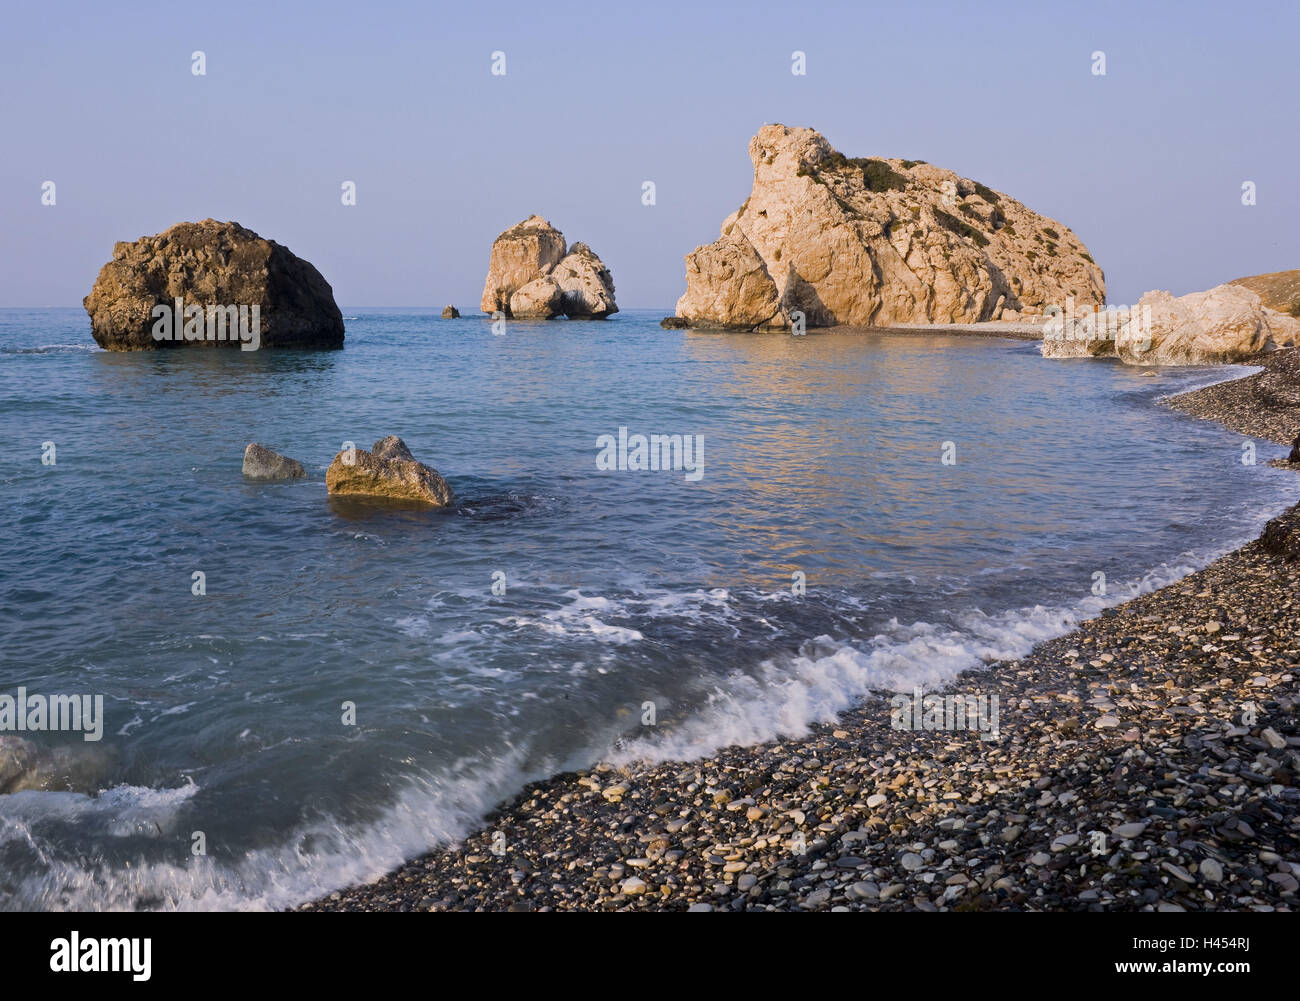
column 262, row 463
column 1227, row 323
column 876, row 241
column 450, row 313
column 210, row 270
column 389, row 472
column 530, row 276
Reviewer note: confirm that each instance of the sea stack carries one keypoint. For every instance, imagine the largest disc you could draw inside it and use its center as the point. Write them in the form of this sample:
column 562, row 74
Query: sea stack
column 204, row 284
column 876, row 242
column 531, row 275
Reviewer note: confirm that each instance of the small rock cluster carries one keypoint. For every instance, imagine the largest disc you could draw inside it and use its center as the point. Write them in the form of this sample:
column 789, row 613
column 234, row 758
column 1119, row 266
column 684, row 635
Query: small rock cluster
column 388, row 472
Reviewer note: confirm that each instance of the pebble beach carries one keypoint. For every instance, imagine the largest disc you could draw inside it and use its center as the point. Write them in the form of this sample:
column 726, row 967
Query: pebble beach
column 1147, row 761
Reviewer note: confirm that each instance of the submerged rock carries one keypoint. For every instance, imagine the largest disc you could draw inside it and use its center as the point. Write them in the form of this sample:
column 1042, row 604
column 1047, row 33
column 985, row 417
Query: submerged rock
column 1227, row 323
column 450, row 313
column 875, row 241
column 388, row 472
column 27, row 765
column 262, row 463
column 531, row 276
column 217, row 267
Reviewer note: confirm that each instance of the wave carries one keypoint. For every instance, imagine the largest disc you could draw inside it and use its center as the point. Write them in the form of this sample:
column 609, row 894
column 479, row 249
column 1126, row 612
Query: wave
column 783, row 699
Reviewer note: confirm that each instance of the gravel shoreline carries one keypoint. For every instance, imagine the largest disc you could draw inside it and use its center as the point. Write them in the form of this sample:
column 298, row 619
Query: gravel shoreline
column 1148, row 760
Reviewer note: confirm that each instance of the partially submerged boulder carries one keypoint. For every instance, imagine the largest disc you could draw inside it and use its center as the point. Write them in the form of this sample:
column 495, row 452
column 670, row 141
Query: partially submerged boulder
column 1228, row 323
column 876, row 241
column 262, row 463
column 26, row 765
column 388, row 472
column 531, row 276
column 450, row 313
column 212, row 277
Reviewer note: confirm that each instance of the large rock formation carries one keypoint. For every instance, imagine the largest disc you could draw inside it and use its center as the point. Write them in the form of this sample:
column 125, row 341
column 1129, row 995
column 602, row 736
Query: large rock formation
column 211, row 264
column 876, row 242
column 530, row 276
column 1227, row 323
column 389, row 472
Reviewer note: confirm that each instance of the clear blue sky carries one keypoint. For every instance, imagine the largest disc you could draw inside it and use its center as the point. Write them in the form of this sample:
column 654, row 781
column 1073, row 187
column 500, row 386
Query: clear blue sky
column 1145, row 164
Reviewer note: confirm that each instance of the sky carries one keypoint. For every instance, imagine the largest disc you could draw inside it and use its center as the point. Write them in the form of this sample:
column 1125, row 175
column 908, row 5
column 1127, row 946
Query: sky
column 1146, row 163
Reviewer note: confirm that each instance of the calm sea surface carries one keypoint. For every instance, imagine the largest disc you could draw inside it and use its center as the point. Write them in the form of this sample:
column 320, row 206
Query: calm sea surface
column 224, row 712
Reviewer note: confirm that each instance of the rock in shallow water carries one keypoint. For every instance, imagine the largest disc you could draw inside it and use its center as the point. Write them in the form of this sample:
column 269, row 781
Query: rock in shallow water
column 388, row 473
column 262, row 463
column 211, row 264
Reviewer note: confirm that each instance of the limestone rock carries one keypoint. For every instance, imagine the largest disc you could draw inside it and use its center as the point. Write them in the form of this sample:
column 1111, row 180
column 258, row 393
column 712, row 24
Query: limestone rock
column 388, row 472
column 1227, row 323
column 519, row 255
column 450, row 313
column 262, row 463
column 211, row 264
column 530, row 275
column 541, row 299
column 586, row 284
column 728, row 287
column 874, row 241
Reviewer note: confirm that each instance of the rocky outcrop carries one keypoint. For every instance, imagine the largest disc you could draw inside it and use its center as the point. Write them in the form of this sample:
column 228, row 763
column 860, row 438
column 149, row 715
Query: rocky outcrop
column 876, row 241
column 450, row 313
column 262, row 463
column 215, row 266
column 531, row 276
column 1227, row 323
column 388, row 472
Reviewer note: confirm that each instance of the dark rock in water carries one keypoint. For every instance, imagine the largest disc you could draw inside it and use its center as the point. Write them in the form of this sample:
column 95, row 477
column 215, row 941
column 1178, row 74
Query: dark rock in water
column 673, row 323
column 1281, row 536
column 389, row 472
column 261, row 463
column 1295, row 450
column 250, row 293
column 450, row 313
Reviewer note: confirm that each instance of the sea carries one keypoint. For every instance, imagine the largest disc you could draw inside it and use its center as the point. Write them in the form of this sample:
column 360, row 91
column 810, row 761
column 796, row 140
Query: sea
column 298, row 694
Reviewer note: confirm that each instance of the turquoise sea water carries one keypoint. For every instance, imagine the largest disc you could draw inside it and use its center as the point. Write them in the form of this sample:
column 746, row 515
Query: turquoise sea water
column 822, row 457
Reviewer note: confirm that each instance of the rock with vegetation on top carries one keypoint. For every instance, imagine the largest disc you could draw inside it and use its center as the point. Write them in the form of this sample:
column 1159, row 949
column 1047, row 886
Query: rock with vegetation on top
column 262, row 463
column 531, row 276
column 211, row 264
column 388, row 472
column 1227, row 323
column 874, row 241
